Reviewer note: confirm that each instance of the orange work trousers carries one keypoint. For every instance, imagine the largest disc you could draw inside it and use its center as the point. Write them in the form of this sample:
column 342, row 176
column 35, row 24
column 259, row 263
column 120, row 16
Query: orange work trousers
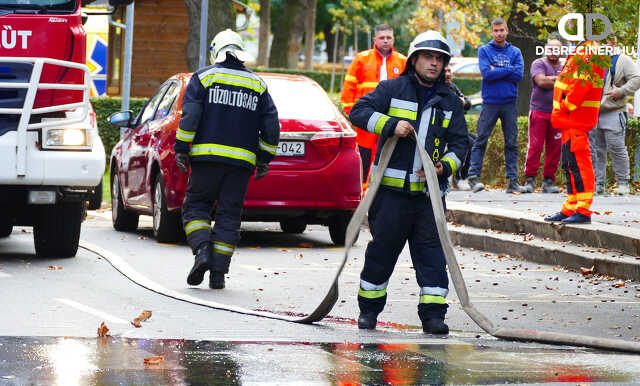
column 576, row 162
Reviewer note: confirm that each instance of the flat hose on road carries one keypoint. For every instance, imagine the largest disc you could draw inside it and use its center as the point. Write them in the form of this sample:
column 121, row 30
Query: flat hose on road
column 352, row 231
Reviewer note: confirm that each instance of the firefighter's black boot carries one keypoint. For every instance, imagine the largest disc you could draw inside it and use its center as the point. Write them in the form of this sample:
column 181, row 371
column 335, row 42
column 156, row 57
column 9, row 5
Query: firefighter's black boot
column 432, row 317
column 204, row 255
column 216, row 280
column 435, row 326
column 367, row 321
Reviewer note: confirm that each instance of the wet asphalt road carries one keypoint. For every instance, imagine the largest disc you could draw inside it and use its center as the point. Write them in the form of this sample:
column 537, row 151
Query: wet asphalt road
column 48, row 300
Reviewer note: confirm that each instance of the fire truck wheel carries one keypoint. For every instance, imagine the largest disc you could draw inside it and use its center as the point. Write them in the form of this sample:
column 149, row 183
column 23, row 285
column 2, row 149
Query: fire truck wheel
column 56, row 231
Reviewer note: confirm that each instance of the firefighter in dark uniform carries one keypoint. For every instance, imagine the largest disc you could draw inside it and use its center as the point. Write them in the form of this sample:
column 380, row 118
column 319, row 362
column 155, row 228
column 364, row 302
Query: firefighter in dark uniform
column 229, row 128
column 417, row 102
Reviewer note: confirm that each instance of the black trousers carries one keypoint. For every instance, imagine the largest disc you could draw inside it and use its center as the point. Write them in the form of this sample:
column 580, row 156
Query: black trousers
column 395, row 218
column 225, row 187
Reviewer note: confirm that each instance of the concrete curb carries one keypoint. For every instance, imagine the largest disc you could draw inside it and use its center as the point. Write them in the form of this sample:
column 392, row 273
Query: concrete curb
column 596, row 235
column 548, row 252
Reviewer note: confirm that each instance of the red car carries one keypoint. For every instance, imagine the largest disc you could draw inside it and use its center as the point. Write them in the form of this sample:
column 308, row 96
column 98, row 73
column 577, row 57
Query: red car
column 314, row 179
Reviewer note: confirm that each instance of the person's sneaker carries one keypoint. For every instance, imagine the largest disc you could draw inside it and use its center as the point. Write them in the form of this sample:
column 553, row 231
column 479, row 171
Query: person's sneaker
column 600, row 189
column 529, row 184
column 475, row 184
column 367, row 321
column 204, row 255
column 216, row 280
column 577, row 218
column 623, row 188
column 514, row 187
column 435, row 326
column 463, row 185
column 547, row 186
column 556, row 217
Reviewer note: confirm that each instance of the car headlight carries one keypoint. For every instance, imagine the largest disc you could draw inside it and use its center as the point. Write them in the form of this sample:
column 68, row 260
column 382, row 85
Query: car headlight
column 67, row 139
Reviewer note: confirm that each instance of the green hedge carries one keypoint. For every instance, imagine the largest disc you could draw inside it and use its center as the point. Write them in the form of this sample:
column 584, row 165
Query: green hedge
column 322, row 77
column 104, row 107
column 468, row 86
column 493, row 170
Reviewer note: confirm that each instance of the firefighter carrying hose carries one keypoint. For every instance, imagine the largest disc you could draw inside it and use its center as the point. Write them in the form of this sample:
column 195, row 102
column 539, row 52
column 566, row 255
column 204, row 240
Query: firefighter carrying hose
column 231, row 123
column 416, row 102
column 576, row 104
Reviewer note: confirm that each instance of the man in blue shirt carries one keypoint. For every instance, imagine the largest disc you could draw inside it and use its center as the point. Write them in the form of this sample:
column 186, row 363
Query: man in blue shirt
column 501, row 66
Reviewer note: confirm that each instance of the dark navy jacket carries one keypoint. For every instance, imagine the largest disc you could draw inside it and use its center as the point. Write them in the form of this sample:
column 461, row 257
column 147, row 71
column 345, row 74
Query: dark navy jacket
column 228, row 116
column 439, row 124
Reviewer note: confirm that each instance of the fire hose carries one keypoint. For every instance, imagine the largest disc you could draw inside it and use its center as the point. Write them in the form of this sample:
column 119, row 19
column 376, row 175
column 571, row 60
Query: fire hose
column 353, row 229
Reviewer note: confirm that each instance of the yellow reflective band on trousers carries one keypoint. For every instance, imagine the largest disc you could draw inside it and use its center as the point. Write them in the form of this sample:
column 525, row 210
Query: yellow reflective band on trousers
column 233, row 80
column 223, row 248
column 185, row 136
column 203, row 149
column 368, row 85
column 373, row 294
column 452, row 163
column 432, row 299
column 394, row 182
column 351, row 78
column 402, row 113
column 195, row 225
column 271, row 149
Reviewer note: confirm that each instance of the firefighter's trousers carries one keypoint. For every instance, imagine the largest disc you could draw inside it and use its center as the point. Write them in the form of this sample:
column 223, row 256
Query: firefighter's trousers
column 395, row 218
column 225, row 186
column 576, row 162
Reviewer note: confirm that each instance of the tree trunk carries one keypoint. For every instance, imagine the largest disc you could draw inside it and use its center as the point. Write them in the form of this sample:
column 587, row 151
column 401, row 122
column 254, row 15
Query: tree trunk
column 524, row 36
column 221, row 17
column 265, row 30
column 330, row 39
column 310, row 32
column 287, row 37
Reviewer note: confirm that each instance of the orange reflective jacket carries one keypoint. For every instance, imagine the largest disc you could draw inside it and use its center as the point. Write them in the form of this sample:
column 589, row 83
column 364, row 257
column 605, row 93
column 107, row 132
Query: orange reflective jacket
column 362, row 77
column 576, row 99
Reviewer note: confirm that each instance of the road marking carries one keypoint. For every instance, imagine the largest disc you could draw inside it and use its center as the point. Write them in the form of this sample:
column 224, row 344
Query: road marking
column 93, row 311
column 4, row 275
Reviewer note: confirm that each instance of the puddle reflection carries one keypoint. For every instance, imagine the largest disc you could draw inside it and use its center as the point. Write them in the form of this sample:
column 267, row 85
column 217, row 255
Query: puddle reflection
column 116, row 360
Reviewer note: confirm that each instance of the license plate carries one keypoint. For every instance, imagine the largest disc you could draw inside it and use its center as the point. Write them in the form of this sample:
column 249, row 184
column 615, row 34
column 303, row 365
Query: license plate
column 290, row 148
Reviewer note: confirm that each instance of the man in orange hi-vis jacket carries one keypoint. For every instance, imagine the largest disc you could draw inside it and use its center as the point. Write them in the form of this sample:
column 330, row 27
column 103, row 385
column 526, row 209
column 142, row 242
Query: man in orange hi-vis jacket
column 368, row 69
column 576, row 103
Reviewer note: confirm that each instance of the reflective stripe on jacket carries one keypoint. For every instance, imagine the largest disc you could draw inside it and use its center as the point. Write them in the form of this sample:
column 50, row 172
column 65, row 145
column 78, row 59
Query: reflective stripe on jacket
column 439, row 123
column 576, row 99
column 362, row 78
column 228, row 116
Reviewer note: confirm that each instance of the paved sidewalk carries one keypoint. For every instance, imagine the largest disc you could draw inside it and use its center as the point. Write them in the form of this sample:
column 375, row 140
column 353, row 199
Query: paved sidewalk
column 618, row 210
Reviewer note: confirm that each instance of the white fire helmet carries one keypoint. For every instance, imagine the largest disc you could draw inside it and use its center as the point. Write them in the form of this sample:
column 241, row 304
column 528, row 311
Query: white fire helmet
column 228, row 42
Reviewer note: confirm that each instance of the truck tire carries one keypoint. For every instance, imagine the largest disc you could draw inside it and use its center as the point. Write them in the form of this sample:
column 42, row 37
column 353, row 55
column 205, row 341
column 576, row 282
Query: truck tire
column 56, row 231
column 167, row 226
column 96, row 198
column 338, row 228
column 123, row 220
column 6, row 228
column 293, row 225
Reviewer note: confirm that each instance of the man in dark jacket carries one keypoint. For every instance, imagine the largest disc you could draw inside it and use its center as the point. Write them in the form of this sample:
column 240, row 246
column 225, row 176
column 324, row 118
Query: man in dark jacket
column 231, row 123
column 421, row 110
column 501, row 66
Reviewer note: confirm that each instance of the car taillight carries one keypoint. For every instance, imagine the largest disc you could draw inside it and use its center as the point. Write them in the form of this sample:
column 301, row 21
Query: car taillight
column 349, row 139
column 326, row 139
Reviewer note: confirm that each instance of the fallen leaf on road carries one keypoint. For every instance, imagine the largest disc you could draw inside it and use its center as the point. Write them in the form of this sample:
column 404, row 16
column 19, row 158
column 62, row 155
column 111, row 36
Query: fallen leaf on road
column 608, row 212
column 305, row 245
column 103, row 330
column 55, row 267
column 284, row 250
column 142, row 238
column 153, row 360
column 144, row 315
column 618, row 284
column 587, row 271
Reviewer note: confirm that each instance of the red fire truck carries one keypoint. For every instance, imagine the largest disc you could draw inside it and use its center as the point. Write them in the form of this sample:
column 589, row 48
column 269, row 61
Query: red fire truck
column 51, row 157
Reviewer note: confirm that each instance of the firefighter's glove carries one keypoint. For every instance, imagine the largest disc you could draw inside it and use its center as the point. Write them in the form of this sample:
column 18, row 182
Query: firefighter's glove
column 183, row 161
column 261, row 170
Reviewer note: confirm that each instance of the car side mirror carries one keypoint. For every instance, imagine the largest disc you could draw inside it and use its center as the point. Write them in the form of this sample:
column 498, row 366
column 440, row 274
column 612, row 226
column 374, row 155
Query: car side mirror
column 121, row 118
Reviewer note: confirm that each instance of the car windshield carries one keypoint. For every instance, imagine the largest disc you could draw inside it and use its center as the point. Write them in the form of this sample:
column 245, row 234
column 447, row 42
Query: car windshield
column 55, row 6
column 300, row 100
